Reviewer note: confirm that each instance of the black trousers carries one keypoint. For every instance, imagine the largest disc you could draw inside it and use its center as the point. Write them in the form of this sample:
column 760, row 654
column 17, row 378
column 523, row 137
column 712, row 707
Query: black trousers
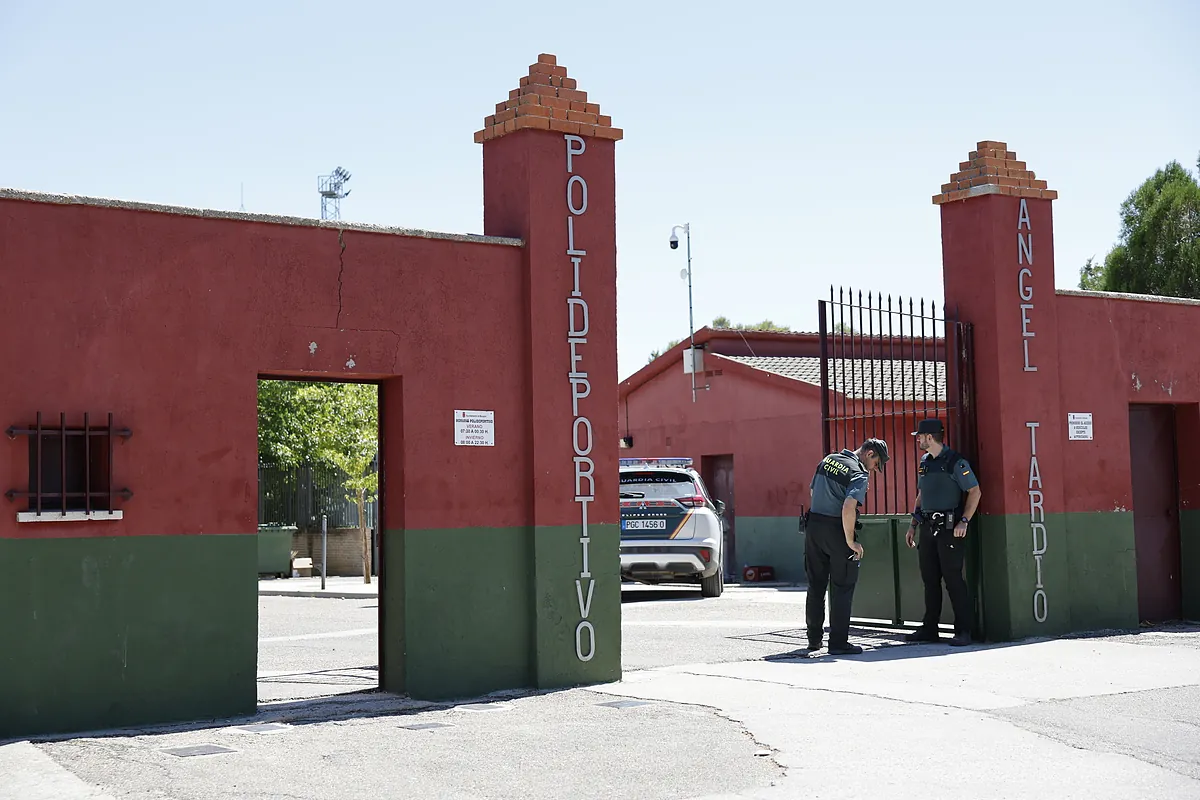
column 827, row 562
column 942, row 557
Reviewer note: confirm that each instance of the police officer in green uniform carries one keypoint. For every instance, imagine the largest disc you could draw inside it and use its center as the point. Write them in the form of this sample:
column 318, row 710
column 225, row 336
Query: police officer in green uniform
column 947, row 496
column 831, row 549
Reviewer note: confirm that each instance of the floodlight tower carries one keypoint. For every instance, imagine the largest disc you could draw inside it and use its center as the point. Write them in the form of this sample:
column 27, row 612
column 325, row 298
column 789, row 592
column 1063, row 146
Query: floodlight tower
column 332, row 190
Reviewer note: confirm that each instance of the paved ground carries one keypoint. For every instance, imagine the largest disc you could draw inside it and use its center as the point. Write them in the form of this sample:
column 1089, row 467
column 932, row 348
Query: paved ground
column 723, row 707
column 312, row 647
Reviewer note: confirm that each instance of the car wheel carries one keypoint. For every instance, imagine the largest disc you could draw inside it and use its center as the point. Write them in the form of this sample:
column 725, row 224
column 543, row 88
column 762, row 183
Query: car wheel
column 713, row 585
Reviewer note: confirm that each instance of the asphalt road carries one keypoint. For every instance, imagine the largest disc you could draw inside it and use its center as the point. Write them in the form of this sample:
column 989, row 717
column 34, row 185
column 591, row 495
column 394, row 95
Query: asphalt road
column 715, row 704
column 314, row 647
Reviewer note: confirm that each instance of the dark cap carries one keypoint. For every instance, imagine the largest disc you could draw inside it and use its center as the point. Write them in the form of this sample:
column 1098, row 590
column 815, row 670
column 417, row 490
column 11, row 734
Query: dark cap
column 878, row 447
column 929, row 426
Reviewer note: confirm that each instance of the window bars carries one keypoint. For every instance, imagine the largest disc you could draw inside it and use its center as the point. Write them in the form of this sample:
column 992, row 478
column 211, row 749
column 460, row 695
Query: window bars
column 70, row 467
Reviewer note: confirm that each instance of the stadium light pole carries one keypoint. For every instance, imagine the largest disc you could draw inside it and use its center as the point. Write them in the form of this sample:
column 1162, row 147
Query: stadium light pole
column 687, row 273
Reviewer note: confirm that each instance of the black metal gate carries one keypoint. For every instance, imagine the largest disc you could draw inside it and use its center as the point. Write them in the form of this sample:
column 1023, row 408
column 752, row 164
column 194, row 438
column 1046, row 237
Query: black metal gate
column 887, row 363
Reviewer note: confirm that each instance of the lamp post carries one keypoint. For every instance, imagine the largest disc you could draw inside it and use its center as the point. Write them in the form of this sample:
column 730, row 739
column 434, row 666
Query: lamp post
column 687, row 232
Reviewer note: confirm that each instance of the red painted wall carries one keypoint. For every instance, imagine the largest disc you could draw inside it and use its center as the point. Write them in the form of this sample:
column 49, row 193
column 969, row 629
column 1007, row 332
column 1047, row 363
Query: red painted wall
column 1116, row 352
column 167, row 320
column 773, row 432
column 982, row 276
column 1092, row 354
column 527, row 189
column 773, row 428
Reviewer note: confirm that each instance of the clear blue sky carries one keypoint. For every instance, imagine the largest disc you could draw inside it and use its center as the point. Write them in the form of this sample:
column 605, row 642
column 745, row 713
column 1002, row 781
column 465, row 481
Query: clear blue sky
column 802, row 141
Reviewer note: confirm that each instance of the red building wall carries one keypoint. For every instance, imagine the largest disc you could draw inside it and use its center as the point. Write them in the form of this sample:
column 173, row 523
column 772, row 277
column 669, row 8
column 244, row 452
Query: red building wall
column 773, row 432
column 166, row 320
column 1065, row 544
column 1119, row 351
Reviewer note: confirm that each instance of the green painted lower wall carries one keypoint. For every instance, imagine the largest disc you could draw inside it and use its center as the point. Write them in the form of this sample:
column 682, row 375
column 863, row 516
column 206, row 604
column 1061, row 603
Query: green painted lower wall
column 482, row 609
column 465, row 606
column 875, row 592
column 1088, row 575
column 106, row 632
column 1102, row 570
column 770, row 541
column 559, row 560
column 1189, row 534
column 889, row 578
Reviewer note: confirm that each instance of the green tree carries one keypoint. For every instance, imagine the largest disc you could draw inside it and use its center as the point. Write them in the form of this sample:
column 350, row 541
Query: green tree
column 1092, row 276
column 656, row 353
column 1159, row 247
column 334, row 424
column 288, row 421
column 348, row 433
column 723, row 323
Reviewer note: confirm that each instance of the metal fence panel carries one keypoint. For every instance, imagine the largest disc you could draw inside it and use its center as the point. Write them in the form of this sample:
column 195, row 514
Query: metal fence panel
column 300, row 495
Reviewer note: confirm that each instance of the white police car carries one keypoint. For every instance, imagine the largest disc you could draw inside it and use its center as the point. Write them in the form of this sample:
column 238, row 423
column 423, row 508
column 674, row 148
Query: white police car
column 671, row 529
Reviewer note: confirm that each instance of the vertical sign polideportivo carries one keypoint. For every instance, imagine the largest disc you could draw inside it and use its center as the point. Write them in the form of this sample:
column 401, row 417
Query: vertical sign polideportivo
column 581, row 427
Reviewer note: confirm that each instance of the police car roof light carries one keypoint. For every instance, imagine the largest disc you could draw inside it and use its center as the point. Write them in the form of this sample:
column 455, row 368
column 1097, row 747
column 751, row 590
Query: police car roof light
column 655, row 462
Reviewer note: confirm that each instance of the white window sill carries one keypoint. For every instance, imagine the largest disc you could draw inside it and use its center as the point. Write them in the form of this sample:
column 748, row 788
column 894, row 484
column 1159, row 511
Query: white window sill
column 70, row 516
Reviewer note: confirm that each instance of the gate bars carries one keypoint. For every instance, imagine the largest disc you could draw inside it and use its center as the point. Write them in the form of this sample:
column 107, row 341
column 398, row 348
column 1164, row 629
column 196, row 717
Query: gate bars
column 885, row 365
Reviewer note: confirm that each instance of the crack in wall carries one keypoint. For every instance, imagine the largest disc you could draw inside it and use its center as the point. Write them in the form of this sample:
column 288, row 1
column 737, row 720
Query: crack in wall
column 341, row 271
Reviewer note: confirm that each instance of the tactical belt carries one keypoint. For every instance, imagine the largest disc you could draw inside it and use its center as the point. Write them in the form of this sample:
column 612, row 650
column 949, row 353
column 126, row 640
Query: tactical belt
column 938, row 520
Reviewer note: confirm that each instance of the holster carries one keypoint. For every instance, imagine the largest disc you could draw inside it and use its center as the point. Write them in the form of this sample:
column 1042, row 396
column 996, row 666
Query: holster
column 938, row 521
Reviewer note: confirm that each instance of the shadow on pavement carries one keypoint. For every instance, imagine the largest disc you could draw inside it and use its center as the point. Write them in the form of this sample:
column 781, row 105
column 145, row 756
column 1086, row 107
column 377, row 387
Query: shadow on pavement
column 342, row 676
column 371, row 703
column 889, row 644
column 647, row 594
column 878, row 645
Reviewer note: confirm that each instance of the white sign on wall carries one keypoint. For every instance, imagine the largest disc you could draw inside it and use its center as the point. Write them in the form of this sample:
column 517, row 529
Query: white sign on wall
column 1079, row 426
column 475, row 428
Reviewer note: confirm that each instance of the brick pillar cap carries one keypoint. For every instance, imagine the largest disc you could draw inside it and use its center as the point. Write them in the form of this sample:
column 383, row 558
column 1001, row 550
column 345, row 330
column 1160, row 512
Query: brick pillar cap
column 547, row 99
column 991, row 168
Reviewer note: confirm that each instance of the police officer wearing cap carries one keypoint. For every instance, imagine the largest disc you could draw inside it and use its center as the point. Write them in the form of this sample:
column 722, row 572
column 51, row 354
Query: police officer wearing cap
column 831, row 549
column 947, row 496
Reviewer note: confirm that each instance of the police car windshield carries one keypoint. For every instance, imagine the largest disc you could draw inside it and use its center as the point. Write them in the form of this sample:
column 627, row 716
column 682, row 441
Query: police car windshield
column 658, row 484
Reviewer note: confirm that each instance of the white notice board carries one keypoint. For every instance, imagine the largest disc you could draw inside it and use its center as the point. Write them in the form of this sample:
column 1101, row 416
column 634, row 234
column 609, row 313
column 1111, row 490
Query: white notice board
column 475, row 428
column 1079, row 427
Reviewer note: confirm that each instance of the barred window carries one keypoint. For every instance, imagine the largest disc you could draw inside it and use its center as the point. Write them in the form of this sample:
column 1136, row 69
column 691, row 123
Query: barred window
column 70, row 471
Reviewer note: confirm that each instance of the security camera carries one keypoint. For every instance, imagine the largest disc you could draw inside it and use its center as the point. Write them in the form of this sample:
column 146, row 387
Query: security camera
column 674, row 242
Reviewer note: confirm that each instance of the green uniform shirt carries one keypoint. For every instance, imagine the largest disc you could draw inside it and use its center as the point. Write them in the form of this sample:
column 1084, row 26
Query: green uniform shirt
column 944, row 480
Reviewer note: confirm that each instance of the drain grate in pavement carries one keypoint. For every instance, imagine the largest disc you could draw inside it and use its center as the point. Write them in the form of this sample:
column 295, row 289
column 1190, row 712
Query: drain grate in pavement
column 624, row 703
column 484, row 707
column 425, row 726
column 198, row 750
column 263, row 727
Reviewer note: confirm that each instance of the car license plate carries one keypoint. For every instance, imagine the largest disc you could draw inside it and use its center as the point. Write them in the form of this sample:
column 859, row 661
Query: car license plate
column 644, row 524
